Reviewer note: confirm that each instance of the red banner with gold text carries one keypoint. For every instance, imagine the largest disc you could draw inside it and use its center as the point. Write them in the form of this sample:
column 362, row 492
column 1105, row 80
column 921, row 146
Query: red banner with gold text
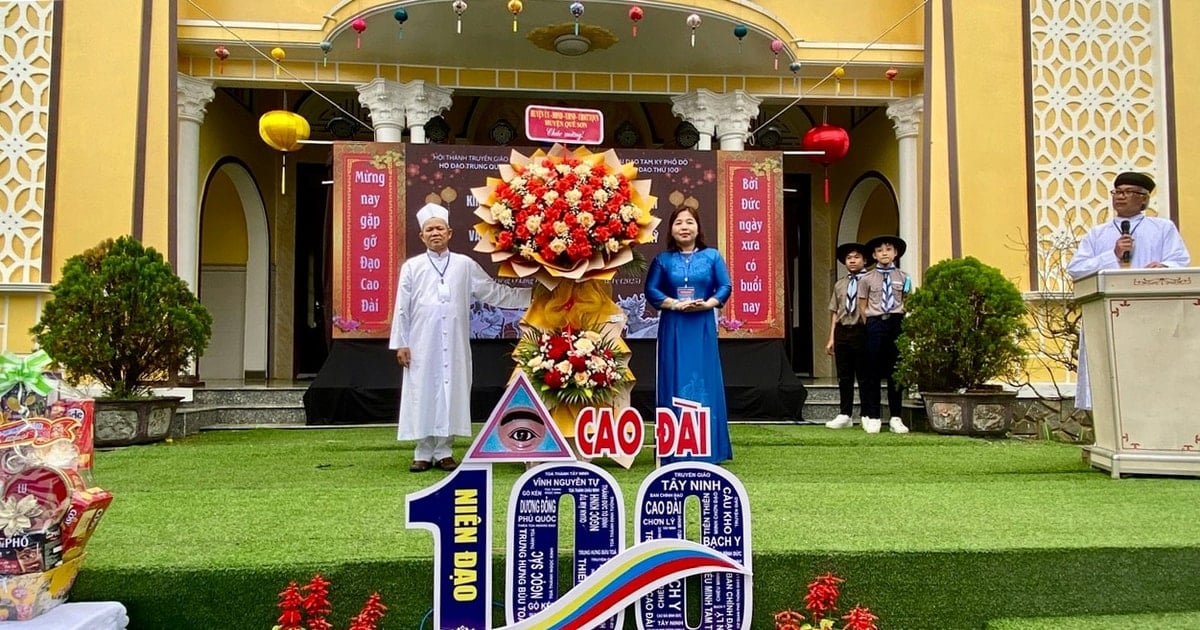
column 368, row 236
column 752, row 241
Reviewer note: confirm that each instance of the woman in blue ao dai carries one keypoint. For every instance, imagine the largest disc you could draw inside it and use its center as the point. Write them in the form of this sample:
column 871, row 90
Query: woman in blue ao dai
column 686, row 284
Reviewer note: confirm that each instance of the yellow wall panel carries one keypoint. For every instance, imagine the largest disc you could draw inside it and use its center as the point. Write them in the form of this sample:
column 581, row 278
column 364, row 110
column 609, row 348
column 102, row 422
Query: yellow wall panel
column 535, row 80
column 762, row 85
column 92, row 203
column 20, row 311
column 1184, row 18
column 991, row 136
column 410, row 73
column 593, row 82
column 714, row 84
column 223, row 223
column 506, row 79
column 477, row 78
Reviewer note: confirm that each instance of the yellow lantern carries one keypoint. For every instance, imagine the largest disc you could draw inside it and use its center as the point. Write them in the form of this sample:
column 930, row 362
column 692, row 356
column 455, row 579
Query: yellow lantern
column 283, row 131
column 278, row 55
column 515, row 7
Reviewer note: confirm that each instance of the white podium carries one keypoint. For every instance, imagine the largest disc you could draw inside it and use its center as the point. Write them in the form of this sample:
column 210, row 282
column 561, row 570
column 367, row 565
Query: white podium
column 1143, row 355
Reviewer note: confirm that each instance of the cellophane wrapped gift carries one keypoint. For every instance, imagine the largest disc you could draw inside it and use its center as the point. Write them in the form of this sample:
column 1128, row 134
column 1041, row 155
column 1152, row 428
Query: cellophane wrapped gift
column 48, row 507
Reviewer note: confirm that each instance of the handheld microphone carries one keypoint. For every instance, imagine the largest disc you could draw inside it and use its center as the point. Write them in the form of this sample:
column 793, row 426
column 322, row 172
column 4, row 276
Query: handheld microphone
column 1125, row 230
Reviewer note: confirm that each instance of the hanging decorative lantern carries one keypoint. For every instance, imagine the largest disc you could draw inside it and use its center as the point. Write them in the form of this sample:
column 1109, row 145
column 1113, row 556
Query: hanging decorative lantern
column 278, row 55
column 577, row 11
column 795, row 68
column 891, row 73
column 776, row 47
column 222, row 54
column 460, row 7
column 283, row 131
column 515, row 7
column 693, row 21
column 359, row 25
column 326, row 46
column 833, row 141
column 635, row 15
column 838, row 73
column 740, row 32
column 401, row 16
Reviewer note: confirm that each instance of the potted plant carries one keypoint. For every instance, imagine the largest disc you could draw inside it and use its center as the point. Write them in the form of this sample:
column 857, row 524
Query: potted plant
column 965, row 330
column 120, row 317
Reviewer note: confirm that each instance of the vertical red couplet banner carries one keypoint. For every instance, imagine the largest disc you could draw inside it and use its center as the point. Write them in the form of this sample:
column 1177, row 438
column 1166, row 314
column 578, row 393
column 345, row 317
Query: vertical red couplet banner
column 368, row 221
column 752, row 198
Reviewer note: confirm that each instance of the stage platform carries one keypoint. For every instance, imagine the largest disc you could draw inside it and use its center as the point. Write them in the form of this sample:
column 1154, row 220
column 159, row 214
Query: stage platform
column 360, row 381
column 928, row 531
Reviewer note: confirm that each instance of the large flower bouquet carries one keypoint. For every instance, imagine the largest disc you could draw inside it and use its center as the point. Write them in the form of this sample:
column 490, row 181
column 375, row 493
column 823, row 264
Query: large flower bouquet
column 564, row 215
column 573, row 366
column 821, row 603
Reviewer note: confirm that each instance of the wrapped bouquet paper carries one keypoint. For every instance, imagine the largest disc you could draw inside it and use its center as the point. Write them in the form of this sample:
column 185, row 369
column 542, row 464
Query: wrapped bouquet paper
column 48, row 509
column 570, row 220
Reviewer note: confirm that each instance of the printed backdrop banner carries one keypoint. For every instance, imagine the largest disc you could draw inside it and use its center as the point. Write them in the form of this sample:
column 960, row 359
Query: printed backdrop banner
column 738, row 196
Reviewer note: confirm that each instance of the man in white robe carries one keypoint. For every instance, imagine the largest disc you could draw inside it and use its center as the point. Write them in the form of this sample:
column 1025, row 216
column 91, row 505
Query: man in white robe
column 1131, row 240
column 431, row 337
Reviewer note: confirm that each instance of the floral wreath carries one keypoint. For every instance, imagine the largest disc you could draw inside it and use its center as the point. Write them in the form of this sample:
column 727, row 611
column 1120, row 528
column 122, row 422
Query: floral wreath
column 564, row 215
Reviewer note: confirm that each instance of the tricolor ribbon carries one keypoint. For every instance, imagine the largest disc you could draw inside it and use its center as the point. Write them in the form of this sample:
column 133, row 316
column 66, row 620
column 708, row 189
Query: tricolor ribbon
column 28, row 371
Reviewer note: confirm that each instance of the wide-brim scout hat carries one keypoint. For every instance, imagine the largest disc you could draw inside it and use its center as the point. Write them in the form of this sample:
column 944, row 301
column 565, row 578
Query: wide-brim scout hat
column 844, row 250
column 895, row 241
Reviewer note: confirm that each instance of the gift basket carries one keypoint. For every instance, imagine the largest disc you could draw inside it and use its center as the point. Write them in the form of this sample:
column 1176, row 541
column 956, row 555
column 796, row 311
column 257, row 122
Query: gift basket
column 48, row 506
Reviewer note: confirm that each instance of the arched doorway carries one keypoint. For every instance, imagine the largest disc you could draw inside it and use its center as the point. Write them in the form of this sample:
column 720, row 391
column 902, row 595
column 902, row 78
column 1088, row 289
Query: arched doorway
column 234, row 248
column 871, row 209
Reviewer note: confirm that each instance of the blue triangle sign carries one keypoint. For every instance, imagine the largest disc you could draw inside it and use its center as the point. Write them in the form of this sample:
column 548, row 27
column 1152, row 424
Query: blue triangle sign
column 520, row 429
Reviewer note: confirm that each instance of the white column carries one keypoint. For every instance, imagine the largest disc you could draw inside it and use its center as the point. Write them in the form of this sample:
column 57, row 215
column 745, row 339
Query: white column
column 701, row 109
column 192, row 96
column 733, row 119
column 906, row 116
column 422, row 101
column 385, row 99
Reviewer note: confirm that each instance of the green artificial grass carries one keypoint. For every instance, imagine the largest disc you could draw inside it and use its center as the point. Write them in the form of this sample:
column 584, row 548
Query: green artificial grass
column 1166, row 621
column 929, row 531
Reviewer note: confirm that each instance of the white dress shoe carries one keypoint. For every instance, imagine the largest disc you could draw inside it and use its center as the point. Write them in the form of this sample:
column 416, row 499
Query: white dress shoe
column 842, row 421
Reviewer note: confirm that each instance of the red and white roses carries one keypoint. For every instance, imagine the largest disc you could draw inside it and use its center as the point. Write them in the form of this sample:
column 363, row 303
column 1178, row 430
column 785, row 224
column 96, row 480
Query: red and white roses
column 572, row 365
column 562, row 214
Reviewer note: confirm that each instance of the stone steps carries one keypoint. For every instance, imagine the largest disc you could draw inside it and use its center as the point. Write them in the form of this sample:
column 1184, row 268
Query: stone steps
column 239, row 408
column 242, row 407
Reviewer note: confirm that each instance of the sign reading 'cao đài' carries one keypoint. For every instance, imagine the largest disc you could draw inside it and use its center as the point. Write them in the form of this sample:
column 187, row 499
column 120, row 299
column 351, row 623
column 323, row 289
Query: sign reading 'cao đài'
column 566, row 125
column 752, row 204
column 368, row 217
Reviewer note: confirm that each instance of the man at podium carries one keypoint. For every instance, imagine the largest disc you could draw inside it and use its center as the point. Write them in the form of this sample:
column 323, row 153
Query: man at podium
column 1130, row 240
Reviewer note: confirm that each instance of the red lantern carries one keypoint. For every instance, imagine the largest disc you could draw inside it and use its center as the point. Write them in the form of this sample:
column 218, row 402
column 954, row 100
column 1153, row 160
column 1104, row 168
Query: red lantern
column 635, row 14
column 222, row 54
column 832, row 141
column 359, row 25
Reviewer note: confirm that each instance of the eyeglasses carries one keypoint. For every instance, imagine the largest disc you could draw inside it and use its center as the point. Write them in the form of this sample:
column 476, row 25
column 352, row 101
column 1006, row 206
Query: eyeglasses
column 1125, row 193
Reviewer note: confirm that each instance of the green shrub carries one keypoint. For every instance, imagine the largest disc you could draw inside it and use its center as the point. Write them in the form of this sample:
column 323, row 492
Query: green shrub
column 121, row 316
column 965, row 326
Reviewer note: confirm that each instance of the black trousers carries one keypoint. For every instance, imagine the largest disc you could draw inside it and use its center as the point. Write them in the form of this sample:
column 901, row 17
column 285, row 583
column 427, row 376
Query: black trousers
column 882, row 354
column 850, row 357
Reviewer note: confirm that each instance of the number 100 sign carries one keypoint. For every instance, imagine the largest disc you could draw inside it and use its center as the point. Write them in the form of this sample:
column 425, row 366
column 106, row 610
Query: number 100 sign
column 607, row 576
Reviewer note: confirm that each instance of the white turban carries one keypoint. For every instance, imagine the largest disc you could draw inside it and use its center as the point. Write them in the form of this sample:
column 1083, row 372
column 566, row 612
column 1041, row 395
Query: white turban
column 432, row 211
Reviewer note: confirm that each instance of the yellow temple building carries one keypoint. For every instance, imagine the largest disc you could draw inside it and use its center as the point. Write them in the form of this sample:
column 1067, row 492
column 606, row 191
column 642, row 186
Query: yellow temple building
column 988, row 128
